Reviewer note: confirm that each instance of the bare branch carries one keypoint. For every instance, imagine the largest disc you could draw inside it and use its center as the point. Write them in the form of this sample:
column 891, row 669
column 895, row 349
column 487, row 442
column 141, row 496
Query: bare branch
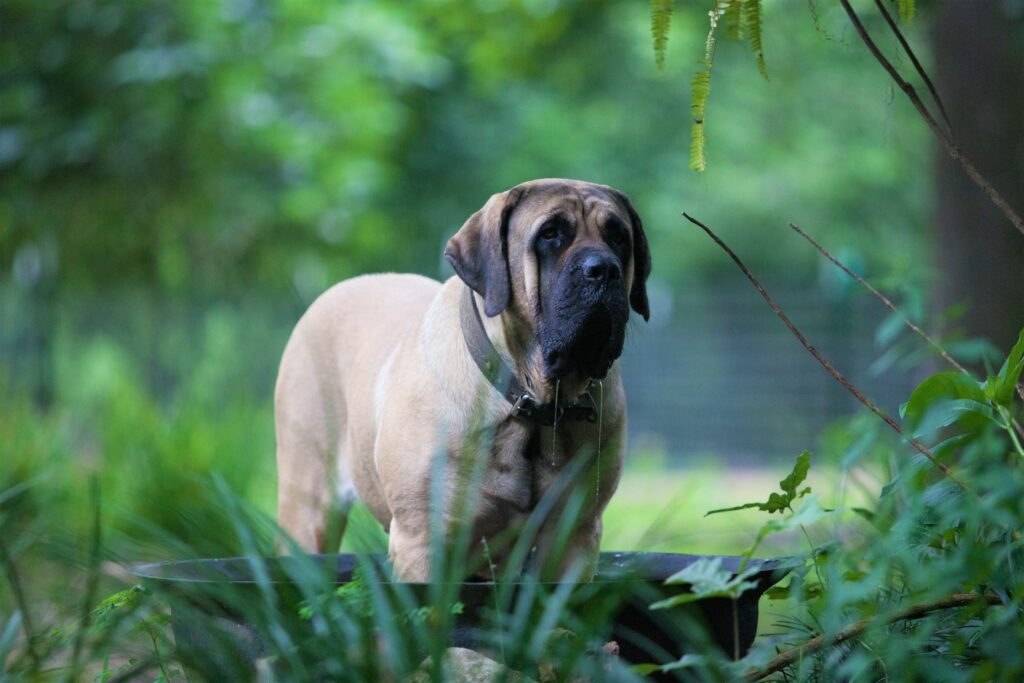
column 950, row 145
column 881, row 297
column 917, row 64
column 892, row 307
column 918, row 611
column 836, row 375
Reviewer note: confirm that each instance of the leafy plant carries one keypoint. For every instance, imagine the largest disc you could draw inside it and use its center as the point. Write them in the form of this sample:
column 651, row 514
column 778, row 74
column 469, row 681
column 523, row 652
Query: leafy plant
column 743, row 20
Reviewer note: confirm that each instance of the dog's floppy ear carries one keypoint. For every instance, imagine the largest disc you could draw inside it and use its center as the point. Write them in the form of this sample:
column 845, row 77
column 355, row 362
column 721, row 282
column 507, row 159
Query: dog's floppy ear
column 479, row 251
column 641, row 260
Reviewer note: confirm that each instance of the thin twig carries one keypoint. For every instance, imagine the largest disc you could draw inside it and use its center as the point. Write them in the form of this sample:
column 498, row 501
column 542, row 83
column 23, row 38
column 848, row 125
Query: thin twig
column 913, row 612
column 950, row 145
column 838, row 376
column 892, row 307
column 881, row 297
column 917, row 64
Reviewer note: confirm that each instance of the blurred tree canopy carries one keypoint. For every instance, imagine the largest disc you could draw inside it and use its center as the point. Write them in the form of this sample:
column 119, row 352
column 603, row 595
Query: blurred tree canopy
column 211, row 147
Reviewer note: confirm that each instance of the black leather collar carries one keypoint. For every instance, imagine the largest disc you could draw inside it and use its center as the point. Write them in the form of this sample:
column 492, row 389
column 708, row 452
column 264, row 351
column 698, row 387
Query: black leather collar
column 502, row 378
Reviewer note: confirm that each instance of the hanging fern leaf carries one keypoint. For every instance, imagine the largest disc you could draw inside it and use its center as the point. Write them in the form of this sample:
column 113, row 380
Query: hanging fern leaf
column 907, row 8
column 661, row 22
column 709, row 43
column 698, row 162
column 752, row 27
column 733, row 19
column 700, row 90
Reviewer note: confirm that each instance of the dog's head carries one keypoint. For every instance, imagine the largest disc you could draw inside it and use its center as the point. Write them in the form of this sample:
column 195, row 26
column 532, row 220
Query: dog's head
column 566, row 259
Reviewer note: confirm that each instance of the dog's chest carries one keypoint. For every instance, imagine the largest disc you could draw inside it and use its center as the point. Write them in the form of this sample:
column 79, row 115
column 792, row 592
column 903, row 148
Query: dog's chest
column 524, row 462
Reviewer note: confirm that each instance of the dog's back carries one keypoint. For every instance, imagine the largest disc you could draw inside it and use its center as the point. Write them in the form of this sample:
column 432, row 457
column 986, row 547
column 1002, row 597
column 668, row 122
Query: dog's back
column 326, row 383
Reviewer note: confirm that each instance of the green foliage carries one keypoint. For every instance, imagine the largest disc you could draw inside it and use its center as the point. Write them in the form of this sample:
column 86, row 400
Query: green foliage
column 742, row 18
column 907, row 9
column 196, row 151
column 752, row 22
column 778, row 502
column 700, row 90
column 661, row 22
column 707, row 579
column 886, row 575
column 1001, row 388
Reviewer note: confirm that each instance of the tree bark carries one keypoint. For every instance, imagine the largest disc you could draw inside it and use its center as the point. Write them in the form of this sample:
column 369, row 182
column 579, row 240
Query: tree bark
column 978, row 49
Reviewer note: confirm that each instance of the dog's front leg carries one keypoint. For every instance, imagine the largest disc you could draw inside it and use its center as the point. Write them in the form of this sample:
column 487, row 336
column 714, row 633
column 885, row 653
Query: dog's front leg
column 558, row 556
column 409, row 550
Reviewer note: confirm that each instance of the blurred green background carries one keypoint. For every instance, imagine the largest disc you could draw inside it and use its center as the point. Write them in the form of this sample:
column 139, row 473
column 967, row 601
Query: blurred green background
column 180, row 178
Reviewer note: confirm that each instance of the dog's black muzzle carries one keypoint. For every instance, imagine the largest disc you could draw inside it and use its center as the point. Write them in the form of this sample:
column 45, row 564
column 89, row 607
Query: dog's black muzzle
column 583, row 325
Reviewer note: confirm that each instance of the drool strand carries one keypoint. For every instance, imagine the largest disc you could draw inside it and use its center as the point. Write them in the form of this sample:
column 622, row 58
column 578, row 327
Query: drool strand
column 554, row 424
column 600, row 424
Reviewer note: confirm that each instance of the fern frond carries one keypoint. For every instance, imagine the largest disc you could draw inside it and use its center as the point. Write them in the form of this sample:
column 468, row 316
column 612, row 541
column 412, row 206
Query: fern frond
column 661, row 22
column 700, row 90
column 733, row 19
column 709, row 44
column 907, row 8
column 752, row 27
column 698, row 162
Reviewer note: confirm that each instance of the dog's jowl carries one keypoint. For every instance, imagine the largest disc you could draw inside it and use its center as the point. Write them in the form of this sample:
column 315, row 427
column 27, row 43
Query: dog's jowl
column 501, row 381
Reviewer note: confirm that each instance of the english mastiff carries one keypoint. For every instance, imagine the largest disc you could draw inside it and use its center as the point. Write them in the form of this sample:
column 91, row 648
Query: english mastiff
column 513, row 360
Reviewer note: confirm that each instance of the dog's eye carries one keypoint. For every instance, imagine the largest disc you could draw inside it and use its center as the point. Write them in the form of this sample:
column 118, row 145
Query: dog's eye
column 549, row 231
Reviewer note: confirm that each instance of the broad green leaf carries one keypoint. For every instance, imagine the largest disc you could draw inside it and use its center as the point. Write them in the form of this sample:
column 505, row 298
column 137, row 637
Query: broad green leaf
column 707, row 579
column 777, row 502
column 661, row 22
column 1003, row 386
column 797, row 476
column 939, row 387
column 971, row 415
column 810, row 512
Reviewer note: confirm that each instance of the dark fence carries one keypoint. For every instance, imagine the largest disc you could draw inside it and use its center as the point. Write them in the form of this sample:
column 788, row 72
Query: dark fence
column 713, row 373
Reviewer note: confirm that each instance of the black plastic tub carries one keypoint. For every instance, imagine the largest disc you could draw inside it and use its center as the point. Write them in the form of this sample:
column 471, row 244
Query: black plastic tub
column 218, row 634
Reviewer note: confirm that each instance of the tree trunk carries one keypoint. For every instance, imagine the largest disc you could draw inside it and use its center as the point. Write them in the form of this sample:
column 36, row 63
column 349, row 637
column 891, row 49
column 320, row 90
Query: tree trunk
column 979, row 71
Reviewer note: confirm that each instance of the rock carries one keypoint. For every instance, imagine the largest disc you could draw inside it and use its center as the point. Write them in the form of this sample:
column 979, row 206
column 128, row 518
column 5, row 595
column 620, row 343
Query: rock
column 462, row 665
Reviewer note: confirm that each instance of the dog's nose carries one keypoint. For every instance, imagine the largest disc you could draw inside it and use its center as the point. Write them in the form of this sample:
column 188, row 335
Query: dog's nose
column 601, row 268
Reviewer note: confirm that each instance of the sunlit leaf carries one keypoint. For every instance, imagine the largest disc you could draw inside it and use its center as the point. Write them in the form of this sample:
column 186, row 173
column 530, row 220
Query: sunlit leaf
column 1003, row 386
column 777, row 502
column 941, row 386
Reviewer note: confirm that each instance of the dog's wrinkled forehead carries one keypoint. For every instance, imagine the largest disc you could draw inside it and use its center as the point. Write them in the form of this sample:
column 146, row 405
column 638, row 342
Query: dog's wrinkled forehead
column 570, row 199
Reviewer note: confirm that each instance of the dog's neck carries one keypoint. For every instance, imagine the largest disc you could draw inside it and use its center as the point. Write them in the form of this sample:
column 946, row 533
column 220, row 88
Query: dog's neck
column 515, row 342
